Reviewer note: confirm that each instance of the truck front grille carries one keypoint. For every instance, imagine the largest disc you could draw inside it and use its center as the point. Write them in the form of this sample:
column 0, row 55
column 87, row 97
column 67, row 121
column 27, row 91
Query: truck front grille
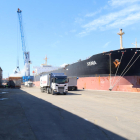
column 61, row 89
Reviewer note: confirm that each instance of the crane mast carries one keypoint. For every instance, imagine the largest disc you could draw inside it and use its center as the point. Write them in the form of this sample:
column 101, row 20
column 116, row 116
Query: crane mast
column 26, row 55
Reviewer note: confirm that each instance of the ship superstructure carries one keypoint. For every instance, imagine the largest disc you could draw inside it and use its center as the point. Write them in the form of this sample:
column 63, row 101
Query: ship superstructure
column 43, row 68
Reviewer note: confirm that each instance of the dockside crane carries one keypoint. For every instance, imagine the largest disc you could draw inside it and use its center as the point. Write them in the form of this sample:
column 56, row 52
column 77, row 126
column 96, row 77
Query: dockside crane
column 26, row 54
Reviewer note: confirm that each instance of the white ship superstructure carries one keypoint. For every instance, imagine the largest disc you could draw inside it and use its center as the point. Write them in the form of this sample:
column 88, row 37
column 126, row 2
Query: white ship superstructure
column 43, row 68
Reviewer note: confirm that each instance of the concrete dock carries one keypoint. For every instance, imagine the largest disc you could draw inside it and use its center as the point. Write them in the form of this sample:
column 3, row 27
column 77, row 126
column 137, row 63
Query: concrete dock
column 28, row 114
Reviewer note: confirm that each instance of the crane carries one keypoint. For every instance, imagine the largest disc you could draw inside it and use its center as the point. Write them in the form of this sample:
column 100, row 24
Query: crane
column 26, row 55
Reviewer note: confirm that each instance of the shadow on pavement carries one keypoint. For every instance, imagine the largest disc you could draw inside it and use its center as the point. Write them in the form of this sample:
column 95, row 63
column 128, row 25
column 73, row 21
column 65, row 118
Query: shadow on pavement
column 69, row 93
column 42, row 120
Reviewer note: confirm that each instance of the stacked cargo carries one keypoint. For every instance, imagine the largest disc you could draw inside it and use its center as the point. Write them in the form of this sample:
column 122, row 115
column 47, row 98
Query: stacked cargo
column 14, row 82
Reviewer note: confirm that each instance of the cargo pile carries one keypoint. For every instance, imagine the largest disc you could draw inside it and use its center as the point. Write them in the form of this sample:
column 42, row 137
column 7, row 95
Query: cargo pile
column 14, row 82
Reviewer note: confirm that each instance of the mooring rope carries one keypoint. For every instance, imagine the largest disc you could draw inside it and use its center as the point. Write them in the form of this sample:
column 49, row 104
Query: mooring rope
column 127, row 70
column 118, row 68
column 124, row 70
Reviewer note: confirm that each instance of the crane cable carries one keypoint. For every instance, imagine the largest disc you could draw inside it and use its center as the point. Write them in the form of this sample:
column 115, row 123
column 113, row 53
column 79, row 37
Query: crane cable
column 118, row 68
column 17, row 46
column 122, row 74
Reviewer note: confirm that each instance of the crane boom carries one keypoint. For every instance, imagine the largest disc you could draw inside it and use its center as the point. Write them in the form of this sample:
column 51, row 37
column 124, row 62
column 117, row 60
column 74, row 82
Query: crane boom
column 26, row 55
column 21, row 30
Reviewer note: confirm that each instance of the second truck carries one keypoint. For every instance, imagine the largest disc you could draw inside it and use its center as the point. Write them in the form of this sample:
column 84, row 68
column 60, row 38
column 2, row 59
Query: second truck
column 54, row 83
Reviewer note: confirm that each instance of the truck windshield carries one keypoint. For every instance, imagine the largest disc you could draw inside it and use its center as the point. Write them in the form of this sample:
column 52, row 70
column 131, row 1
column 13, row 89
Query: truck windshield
column 61, row 80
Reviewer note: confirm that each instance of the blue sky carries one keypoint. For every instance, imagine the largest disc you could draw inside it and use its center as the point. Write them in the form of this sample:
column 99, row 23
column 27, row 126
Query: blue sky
column 65, row 30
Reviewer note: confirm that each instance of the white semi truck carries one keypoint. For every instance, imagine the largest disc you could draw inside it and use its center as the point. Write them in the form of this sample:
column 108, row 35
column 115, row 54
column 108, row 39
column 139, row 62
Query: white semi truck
column 54, row 83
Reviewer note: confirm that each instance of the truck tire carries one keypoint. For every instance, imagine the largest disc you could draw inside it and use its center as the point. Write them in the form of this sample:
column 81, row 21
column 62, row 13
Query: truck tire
column 73, row 88
column 47, row 91
column 70, row 88
column 41, row 89
column 64, row 93
column 52, row 92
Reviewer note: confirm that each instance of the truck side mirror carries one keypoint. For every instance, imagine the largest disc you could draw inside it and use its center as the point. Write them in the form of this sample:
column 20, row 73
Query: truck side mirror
column 53, row 80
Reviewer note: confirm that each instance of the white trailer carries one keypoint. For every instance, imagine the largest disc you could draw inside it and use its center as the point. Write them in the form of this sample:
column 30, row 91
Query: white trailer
column 72, row 84
column 54, row 83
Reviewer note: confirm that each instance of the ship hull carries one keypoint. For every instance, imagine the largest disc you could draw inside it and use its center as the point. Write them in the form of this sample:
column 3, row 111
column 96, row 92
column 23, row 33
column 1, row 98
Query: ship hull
column 126, row 83
column 103, row 72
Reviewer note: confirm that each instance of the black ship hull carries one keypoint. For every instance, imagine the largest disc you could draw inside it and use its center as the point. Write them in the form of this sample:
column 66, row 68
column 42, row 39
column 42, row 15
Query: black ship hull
column 99, row 65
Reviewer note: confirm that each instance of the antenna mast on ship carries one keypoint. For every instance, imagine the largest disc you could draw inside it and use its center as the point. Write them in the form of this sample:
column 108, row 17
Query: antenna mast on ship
column 135, row 43
column 45, row 64
column 121, row 33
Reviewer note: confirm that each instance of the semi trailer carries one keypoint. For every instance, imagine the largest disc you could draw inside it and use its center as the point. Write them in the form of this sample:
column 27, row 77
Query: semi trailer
column 72, row 84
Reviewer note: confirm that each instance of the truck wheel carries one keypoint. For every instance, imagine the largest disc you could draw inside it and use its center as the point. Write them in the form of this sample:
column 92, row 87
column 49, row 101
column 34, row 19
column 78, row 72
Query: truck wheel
column 47, row 91
column 65, row 93
column 53, row 92
column 73, row 88
column 69, row 88
column 41, row 89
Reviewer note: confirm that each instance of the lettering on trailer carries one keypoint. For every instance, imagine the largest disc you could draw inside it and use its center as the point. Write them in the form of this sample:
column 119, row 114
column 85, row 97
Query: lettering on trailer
column 91, row 63
column 44, row 82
